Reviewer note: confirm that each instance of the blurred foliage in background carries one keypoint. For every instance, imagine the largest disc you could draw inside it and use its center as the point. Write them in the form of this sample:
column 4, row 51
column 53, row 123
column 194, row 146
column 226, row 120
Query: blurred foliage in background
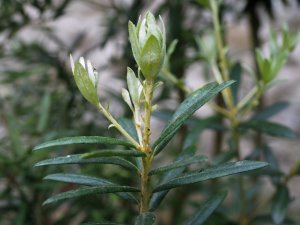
column 39, row 102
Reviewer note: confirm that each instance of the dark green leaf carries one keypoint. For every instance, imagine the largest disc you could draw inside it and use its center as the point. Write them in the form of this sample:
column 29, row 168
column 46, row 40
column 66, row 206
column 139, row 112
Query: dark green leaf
column 235, row 74
column 223, row 157
column 104, row 223
column 270, row 111
column 145, row 219
column 114, row 152
column 211, row 173
column 44, row 112
column 280, row 203
column 77, row 159
column 179, row 163
column 83, row 140
column 207, row 209
column 273, row 129
column 88, row 181
column 186, row 109
column 128, row 125
column 89, row 191
column 157, row 197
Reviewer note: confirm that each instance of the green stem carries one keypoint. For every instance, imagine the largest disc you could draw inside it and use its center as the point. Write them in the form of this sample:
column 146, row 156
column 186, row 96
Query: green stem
column 148, row 91
column 145, row 184
column 219, row 39
column 223, row 75
column 147, row 161
column 107, row 114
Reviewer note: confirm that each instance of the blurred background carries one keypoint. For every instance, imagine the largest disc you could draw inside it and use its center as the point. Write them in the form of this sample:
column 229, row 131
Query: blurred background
column 39, row 100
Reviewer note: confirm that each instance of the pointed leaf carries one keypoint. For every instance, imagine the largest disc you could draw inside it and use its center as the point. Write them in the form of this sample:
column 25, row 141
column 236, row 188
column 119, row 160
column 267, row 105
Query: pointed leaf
column 126, row 98
column 89, row 191
column 104, row 223
column 135, row 46
column 207, row 209
column 280, row 203
column 273, row 129
column 45, row 106
column 113, row 152
column 83, row 140
column 270, row 111
column 179, row 163
column 211, row 173
column 88, row 181
column 134, row 86
column 145, row 219
column 77, row 159
column 186, row 110
column 85, row 85
column 235, row 74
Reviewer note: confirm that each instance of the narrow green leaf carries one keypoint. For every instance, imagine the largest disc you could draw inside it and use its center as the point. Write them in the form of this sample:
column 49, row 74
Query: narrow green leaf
column 179, row 163
column 273, row 129
column 128, row 125
column 280, row 203
column 44, row 112
column 270, row 111
column 145, row 219
column 157, row 197
column 135, row 45
column 186, row 110
column 77, row 159
column 235, row 74
column 89, row 191
column 113, row 152
column 207, row 209
column 104, row 223
column 82, row 140
column 86, row 87
column 126, row 98
column 88, row 181
column 135, row 87
column 211, row 173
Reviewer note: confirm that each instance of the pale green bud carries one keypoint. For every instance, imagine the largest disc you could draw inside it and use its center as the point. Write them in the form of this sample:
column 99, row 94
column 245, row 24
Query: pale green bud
column 86, row 79
column 135, row 87
column 148, row 45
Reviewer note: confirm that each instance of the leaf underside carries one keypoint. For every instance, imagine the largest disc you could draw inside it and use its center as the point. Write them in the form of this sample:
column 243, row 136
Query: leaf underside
column 89, row 191
column 186, row 110
column 82, row 140
column 77, row 159
column 206, row 210
column 88, row 181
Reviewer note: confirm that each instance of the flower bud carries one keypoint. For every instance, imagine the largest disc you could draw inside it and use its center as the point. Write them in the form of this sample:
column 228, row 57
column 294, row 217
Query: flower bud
column 148, row 45
column 86, row 79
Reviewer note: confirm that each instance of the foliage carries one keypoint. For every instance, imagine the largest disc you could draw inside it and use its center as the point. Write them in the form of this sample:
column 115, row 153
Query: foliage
column 123, row 168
